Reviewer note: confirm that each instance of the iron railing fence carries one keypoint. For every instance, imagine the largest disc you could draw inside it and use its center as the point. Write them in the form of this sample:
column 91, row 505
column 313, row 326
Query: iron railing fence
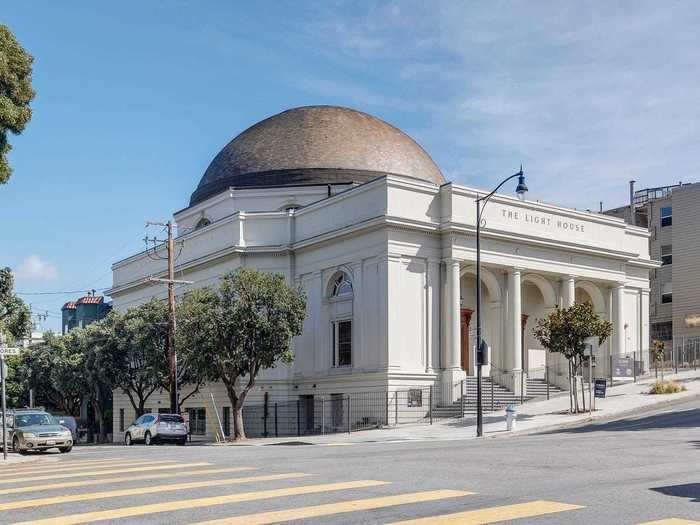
column 681, row 353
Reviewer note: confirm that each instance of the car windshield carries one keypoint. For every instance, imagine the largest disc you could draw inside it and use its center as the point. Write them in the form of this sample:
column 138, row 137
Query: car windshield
column 25, row 420
column 171, row 418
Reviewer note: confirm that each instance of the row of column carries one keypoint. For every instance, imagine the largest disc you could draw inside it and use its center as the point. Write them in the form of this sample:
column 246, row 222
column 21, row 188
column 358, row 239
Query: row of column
column 451, row 312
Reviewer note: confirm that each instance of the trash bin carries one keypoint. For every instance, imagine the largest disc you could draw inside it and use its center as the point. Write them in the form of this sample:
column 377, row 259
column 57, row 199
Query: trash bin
column 510, row 417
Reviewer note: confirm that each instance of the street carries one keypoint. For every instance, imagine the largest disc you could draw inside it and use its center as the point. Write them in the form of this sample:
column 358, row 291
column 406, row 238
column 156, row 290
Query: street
column 631, row 471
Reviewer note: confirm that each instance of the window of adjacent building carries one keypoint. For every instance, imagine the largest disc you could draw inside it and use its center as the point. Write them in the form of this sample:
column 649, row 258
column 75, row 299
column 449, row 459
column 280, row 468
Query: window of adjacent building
column 121, row 420
column 198, row 421
column 666, row 216
column 666, row 257
column 342, row 343
column 666, row 293
column 227, row 421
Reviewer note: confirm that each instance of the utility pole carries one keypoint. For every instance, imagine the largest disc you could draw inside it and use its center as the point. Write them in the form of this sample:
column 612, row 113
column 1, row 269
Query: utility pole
column 170, row 281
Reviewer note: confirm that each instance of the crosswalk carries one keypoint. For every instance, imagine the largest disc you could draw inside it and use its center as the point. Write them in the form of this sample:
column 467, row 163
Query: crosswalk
column 72, row 491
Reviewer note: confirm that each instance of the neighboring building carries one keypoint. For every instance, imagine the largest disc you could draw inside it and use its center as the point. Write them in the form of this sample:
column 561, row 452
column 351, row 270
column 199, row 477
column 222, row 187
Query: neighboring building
column 672, row 215
column 359, row 216
column 80, row 313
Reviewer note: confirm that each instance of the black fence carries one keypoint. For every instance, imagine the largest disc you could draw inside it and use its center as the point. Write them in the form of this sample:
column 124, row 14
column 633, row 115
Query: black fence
column 343, row 413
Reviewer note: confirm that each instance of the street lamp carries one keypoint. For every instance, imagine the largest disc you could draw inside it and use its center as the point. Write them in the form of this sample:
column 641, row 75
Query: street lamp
column 481, row 347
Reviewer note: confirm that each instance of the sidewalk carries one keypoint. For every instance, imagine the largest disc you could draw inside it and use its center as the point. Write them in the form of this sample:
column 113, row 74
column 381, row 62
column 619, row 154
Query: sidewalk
column 537, row 416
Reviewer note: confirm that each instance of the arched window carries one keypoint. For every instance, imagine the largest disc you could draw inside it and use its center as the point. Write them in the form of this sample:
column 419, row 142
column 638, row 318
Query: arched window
column 201, row 223
column 342, row 286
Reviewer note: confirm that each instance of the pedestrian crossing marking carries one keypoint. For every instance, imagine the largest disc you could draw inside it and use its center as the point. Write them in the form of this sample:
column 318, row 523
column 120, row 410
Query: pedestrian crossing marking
column 494, row 514
column 33, row 464
column 328, row 509
column 72, row 468
column 103, row 472
column 121, row 479
column 153, row 508
column 672, row 521
column 56, row 500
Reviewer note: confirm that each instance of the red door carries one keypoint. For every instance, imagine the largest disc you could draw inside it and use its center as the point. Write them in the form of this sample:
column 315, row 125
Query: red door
column 465, row 318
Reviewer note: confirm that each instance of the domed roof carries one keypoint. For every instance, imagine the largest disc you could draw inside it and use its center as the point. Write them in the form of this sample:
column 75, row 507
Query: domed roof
column 315, row 145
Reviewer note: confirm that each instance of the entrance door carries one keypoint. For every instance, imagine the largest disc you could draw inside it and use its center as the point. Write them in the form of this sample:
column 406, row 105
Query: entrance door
column 464, row 320
column 308, row 415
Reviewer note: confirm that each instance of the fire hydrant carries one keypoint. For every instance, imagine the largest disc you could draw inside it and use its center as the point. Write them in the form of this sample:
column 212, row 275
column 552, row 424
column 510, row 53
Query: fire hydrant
column 510, row 417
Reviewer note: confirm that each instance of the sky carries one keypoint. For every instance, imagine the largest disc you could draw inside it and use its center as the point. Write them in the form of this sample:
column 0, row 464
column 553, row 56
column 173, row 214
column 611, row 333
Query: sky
column 134, row 99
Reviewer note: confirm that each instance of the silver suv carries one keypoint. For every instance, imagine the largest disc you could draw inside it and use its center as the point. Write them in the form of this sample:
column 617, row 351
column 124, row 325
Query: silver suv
column 37, row 430
column 157, row 428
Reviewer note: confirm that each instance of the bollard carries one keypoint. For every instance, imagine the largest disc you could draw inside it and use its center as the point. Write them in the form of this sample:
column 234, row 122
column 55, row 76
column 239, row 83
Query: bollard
column 510, row 418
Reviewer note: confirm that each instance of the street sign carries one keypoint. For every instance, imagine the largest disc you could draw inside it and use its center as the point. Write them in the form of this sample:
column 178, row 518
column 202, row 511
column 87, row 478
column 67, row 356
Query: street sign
column 600, row 387
column 9, row 350
column 623, row 368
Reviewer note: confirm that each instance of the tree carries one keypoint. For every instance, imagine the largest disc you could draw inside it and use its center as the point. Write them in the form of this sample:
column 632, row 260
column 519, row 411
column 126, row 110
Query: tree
column 138, row 339
column 15, row 317
column 658, row 350
column 565, row 331
column 243, row 327
column 15, row 94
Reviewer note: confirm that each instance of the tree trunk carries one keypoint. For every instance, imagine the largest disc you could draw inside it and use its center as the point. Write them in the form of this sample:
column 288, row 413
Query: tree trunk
column 571, row 389
column 238, row 429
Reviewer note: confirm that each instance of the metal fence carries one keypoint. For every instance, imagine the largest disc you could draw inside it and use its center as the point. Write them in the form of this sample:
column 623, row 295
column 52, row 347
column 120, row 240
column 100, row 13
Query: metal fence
column 682, row 353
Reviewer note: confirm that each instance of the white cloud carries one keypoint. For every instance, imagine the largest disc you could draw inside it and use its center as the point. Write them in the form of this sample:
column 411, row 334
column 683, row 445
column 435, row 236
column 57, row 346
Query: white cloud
column 35, row 268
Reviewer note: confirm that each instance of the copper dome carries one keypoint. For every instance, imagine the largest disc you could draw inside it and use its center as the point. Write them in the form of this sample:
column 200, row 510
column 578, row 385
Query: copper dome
column 315, row 145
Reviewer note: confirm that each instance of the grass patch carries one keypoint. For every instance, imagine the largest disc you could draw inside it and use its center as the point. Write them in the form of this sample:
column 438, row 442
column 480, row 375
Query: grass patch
column 666, row 387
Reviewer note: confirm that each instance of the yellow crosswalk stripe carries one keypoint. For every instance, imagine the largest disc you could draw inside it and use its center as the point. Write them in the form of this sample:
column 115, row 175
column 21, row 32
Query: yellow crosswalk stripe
column 121, row 479
column 70, row 462
column 62, row 468
column 89, row 496
column 328, row 509
column 102, row 472
column 672, row 521
column 153, row 508
column 494, row 514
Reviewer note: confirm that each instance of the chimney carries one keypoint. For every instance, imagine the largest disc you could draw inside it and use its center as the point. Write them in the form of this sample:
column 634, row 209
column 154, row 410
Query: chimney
column 633, row 215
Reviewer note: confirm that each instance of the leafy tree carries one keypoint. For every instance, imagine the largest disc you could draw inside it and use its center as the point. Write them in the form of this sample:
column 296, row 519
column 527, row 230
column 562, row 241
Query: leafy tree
column 139, row 339
column 15, row 94
column 565, row 331
column 658, row 350
column 15, row 317
column 245, row 326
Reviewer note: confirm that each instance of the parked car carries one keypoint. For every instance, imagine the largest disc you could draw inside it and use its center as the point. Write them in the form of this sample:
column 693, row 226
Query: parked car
column 37, row 430
column 70, row 423
column 157, row 428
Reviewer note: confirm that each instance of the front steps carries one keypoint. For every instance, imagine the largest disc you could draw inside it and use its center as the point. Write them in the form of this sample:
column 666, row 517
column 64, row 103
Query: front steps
column 495, row 397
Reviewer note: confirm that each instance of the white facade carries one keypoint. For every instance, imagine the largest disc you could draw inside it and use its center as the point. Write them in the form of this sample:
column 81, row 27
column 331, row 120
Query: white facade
column 408, row 248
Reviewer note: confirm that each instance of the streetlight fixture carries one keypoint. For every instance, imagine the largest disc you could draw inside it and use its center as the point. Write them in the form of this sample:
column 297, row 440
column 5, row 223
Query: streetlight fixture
column 481, row 347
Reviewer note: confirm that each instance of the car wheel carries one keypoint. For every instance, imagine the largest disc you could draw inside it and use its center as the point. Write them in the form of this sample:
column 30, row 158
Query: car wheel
column 127, row 440
column 15, row 445
column 147, row 439
column 64, row 450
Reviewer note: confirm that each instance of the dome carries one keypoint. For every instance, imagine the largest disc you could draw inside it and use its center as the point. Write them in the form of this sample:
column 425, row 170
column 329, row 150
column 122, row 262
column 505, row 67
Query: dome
column 315, row 145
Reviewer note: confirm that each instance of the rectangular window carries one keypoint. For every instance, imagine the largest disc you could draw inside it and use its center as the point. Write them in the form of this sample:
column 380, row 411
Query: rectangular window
column 666, row 216
column 121, row 420
column 198, row 421
column 662, row 331
column 666, row 255
column 415, row 397
column 342, row 343
column 227, row 421
column 666, row 293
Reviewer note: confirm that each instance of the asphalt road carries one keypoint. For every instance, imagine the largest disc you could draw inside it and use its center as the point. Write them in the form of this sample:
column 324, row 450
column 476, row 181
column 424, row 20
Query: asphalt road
column 631, row 471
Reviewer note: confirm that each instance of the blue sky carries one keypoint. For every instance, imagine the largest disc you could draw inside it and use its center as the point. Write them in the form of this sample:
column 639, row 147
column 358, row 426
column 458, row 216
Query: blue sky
column 135, row 98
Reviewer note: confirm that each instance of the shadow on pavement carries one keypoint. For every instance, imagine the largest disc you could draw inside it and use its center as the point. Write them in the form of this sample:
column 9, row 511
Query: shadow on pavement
column 681, row 419
column 688, row 490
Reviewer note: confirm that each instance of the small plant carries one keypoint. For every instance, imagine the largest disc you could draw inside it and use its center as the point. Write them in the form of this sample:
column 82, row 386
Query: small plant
column 667, row 387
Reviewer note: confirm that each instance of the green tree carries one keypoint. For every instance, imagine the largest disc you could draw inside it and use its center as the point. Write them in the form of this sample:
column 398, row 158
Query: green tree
column 138, row 338
column 242, row 328
column 15, row 317
column 658, row 350
column 15, row 94
column 565, row 331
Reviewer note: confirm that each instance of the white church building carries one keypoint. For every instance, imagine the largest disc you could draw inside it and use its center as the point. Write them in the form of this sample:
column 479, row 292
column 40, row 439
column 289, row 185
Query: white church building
column 358, row 215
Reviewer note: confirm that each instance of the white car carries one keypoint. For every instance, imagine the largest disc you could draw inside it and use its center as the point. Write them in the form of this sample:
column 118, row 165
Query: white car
column 157, row 428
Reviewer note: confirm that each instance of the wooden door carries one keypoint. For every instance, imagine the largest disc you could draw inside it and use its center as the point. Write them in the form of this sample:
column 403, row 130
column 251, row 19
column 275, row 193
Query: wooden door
column 465, row 318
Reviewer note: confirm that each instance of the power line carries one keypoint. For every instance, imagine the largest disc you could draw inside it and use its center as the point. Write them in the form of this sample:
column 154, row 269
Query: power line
column 67, row 292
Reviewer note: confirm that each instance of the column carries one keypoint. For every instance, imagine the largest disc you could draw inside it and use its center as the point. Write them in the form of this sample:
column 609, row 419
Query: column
column 644, row 327
column 515, row 327
column 618, row 347
column 452, row 372
column 568, row 291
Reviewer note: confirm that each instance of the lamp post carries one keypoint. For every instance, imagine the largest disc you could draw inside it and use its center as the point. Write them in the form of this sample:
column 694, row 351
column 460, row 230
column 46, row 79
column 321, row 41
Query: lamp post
column 521, row 189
